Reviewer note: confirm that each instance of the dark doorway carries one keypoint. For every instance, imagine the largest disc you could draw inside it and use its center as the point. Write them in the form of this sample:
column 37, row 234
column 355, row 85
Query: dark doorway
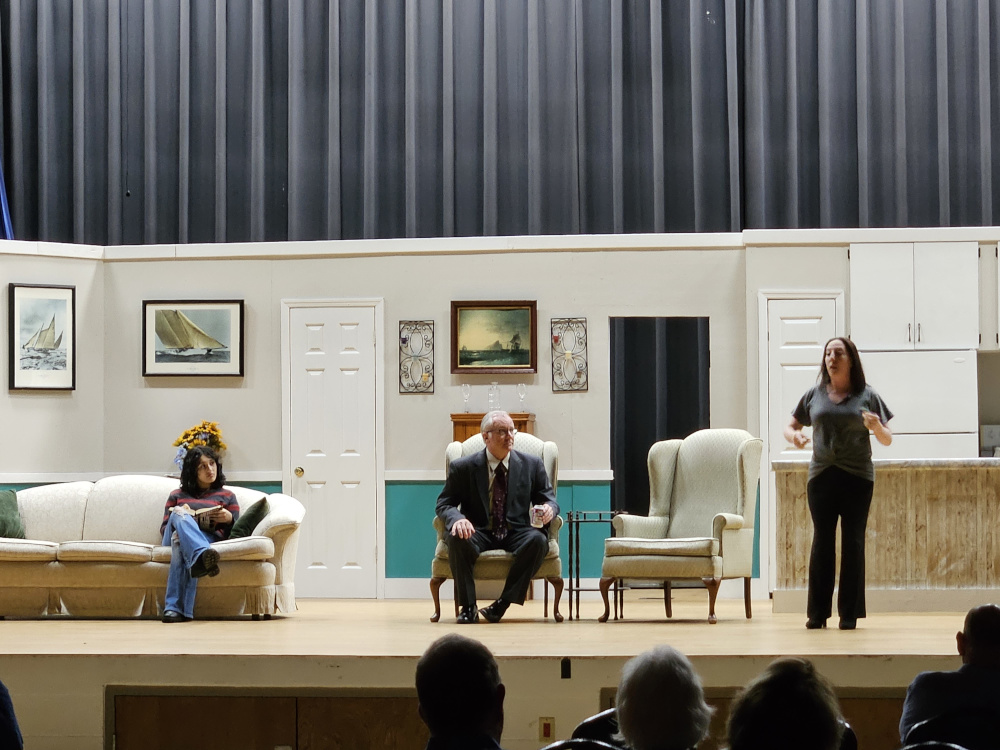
column 659, row 390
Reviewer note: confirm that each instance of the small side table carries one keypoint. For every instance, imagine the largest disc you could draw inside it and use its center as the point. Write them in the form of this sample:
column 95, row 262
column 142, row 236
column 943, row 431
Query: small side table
column 574, row 519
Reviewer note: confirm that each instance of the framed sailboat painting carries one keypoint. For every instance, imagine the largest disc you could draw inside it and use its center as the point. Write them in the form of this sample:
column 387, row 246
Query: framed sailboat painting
column 42, row 337
column 192, row 337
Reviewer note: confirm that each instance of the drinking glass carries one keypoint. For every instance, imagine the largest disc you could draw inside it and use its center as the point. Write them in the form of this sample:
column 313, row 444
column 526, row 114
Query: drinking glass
column 522, row 391
column 466, row 391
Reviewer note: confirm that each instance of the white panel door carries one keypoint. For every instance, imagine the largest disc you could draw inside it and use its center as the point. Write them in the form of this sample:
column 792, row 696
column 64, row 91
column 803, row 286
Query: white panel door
column 882, row 296
column 946, row 295
column 332, row 447
column 797, row 329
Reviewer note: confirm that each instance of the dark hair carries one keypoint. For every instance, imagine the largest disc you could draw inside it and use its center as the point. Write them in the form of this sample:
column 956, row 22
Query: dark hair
column 189, row 471
column 982, row 633
column 457, row 681
column 787, row 707
column 857, row 371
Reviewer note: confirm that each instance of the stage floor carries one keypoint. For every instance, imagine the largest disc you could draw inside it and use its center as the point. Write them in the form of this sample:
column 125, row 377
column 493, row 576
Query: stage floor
column 551, row 669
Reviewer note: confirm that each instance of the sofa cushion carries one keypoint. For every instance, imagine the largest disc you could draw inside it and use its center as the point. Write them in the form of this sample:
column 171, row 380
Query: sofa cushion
column 54, row 512
column 692, row 547
column 129, row 508
column 104, row 551
column 249, row 519
column 10, row 518
column 27, row 550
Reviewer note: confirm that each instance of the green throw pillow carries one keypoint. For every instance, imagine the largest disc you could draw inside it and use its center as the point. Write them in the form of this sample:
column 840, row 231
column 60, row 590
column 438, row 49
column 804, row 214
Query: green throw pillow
column 10, row 520
column 249, row 519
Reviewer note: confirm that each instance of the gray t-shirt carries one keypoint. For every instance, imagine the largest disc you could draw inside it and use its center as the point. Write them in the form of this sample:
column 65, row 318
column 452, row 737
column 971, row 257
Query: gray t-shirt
column 840, row 437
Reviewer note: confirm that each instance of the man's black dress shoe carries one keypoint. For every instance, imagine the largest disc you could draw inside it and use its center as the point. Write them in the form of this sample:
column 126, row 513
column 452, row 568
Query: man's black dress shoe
column 207, row 564
column 171, row 616
column 815, row 623
column 468, row 615
column 848, row 623
column 495, row 611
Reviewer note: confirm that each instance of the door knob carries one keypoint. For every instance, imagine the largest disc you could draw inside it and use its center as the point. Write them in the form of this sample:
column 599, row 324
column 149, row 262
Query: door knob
column 299, row 471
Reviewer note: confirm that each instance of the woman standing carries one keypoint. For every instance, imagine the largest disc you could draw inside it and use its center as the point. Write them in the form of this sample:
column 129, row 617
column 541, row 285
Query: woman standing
column 197, row 514
column 842, row 408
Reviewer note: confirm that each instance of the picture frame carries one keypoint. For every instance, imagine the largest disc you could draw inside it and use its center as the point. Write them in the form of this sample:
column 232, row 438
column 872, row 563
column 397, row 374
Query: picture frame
column 41, row 337
column 494, row 337
column 192, row 338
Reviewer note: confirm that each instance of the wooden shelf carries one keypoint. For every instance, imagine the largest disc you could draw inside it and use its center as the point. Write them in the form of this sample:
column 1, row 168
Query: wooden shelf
column 466, row 424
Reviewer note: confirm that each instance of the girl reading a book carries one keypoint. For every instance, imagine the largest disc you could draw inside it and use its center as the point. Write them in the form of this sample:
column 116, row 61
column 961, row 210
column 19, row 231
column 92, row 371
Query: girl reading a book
column 200, row 512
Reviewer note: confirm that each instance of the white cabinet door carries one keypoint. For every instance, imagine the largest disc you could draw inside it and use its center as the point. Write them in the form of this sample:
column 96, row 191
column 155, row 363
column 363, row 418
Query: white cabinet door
column 928, row 392
column 882, row 295
column 946, row 295
column 922, row 295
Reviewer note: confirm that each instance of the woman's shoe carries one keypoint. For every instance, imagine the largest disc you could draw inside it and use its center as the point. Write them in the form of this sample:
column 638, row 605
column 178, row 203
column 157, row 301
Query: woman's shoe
column 171, row 616
column 815, row 623
column 848, row 623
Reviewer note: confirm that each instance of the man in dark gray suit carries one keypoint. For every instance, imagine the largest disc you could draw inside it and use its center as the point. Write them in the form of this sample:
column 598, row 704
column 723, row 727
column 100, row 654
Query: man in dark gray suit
column 486, row 504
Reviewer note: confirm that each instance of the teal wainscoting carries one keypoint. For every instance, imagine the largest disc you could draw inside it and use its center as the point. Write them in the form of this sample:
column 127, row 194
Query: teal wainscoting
column 410, row 538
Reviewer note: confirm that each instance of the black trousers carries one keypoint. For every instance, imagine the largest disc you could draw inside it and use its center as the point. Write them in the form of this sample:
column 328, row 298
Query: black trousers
column 836, row 494
column 528, row 545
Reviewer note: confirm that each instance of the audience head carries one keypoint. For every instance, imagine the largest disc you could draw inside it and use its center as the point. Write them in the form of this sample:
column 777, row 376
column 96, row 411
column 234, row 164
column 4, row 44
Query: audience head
column 787, row 707
column 459, row 688
column 189, row 470
column 660, row 704
column 979, row 640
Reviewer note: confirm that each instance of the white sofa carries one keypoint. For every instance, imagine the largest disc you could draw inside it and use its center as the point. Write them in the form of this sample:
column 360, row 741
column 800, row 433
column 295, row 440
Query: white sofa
column 92, row 549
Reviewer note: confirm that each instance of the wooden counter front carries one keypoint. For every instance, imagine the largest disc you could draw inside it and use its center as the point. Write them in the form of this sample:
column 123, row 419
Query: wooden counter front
column 466, row 424
column 933, row 537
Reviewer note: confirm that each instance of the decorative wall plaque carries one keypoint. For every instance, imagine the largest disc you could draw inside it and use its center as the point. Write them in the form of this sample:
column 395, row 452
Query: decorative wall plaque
column 416, row 356
column 569, row 354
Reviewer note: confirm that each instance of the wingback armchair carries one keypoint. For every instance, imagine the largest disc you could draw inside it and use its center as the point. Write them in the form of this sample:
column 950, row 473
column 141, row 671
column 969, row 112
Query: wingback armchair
column 493, row 565
column 702, row 498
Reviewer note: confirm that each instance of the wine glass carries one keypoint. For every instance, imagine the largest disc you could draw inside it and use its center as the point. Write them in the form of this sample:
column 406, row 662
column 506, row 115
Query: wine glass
column 522, row 391
column 466, row 391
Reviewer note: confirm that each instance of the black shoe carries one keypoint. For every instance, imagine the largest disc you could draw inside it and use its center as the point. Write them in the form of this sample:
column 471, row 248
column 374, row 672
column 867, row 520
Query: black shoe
column 207, row 564
column 171, row 616
column 848, row 623
column 815, row 623
column 468, row 616
column 495, row 611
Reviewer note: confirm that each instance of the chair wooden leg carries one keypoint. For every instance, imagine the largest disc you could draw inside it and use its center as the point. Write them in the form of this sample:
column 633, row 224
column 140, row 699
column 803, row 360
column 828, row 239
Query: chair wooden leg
column 746, row 597
column 545, row 598
column 668, row 605
column 605, row 585
column 435, row 595
column 712, row 584
column 557, row 589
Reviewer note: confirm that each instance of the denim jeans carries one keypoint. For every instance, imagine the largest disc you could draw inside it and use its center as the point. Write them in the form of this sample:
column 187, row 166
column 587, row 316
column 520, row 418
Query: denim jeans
column 187, row 541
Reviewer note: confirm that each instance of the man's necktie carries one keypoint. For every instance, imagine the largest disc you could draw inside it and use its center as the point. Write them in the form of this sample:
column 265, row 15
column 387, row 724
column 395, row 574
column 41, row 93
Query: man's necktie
column 500, row 502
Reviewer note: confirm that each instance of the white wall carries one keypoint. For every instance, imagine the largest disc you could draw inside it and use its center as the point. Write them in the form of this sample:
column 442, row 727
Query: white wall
column 44, row 432
column 149, row 413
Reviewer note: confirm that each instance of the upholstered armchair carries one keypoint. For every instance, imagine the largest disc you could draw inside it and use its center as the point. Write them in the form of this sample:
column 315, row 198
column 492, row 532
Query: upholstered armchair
column 702, row 498
column 493, row 565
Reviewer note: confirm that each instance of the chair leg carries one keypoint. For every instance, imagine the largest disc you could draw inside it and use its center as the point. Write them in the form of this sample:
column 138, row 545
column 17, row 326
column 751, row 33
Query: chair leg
column 712, row 584
column 746, row 597
column 545, row 598
column 605, row 585
column 435, row 595
column 557, row 589
column 668, row 605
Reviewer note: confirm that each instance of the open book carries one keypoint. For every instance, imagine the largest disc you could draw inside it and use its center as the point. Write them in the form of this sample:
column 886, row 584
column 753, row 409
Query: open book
column 202, row 516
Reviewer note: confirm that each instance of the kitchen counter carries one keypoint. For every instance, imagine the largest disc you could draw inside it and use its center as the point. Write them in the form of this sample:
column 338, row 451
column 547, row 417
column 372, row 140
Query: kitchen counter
column 933, row 538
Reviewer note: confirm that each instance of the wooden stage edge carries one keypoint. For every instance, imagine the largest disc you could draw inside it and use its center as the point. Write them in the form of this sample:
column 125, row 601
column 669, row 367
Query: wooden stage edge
column 369, row 647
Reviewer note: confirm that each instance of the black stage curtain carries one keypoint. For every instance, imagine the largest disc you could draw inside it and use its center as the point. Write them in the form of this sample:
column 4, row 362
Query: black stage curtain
column 659, row 391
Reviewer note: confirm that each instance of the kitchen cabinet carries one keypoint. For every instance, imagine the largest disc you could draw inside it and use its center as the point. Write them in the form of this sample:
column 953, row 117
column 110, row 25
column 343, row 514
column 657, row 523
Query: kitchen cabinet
column 914, row 295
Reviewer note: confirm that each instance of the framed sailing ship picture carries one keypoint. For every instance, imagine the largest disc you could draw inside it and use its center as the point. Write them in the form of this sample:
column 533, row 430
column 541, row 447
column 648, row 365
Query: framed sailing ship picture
column 42, row 337
column 192, row 337
column 493, row 337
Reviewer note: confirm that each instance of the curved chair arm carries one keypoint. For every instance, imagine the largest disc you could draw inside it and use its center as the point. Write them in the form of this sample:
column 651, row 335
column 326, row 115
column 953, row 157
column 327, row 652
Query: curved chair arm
column 749, row 468
column 661, row 463
column 642, row 527
column 723, row 521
